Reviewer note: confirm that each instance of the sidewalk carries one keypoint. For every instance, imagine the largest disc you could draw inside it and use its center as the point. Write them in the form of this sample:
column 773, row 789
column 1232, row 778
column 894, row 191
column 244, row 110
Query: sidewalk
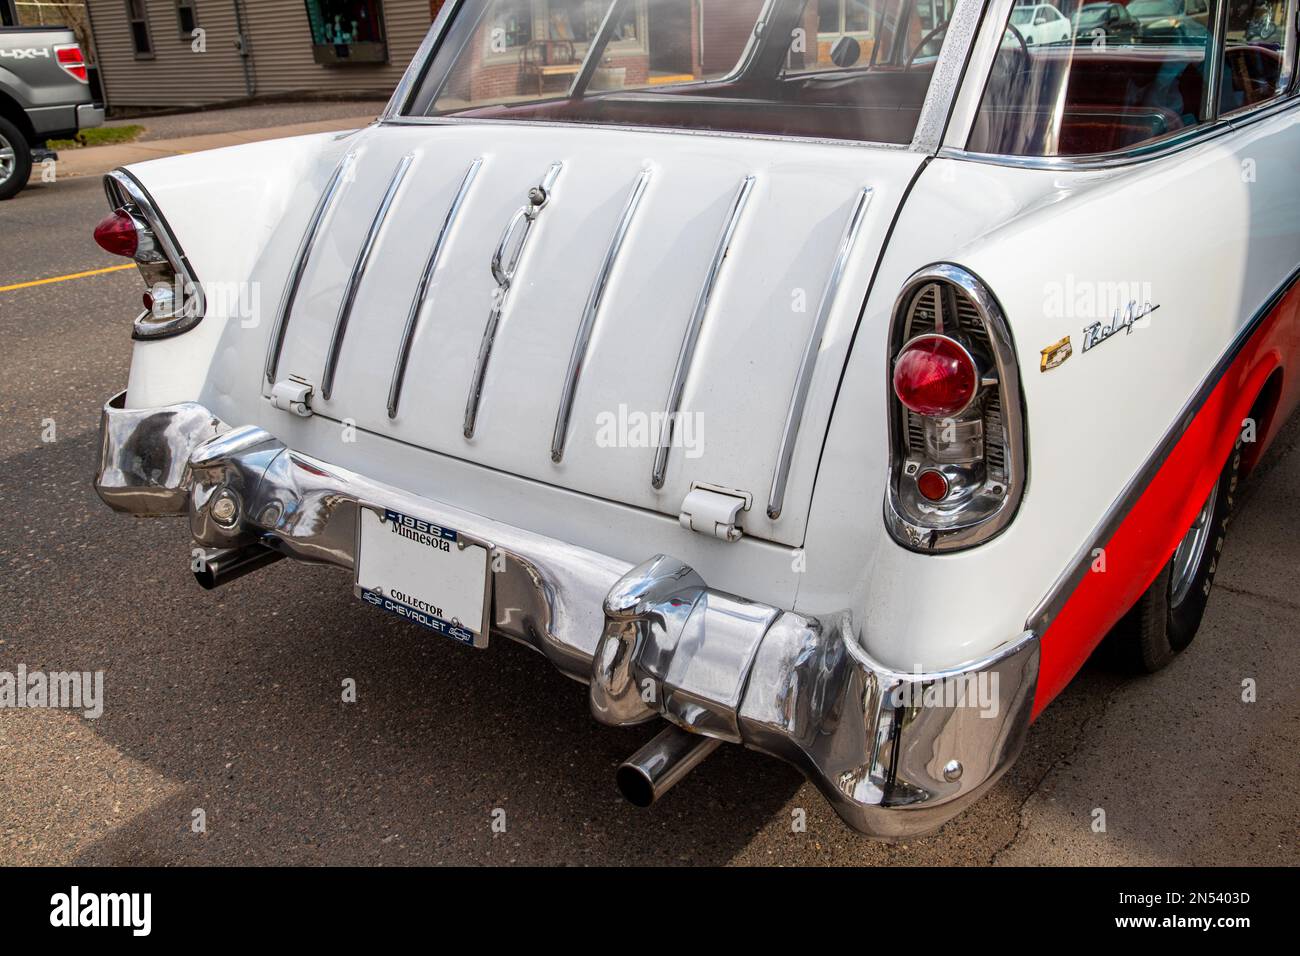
column 98, row 160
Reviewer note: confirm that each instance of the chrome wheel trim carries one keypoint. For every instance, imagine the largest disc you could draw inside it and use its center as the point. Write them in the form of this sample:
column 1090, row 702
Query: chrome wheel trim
column 1190, row 551
column 8, row 160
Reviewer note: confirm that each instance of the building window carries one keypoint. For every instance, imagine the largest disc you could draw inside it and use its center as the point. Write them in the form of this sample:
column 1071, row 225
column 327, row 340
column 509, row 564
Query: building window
column 137, row 15
column 549, row 26
column 347, row 31
column 187, row 18
column 513, row 24
column 843, row 16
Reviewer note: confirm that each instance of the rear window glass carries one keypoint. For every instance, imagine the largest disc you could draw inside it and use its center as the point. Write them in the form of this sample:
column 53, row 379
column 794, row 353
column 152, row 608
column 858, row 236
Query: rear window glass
column 835, row 69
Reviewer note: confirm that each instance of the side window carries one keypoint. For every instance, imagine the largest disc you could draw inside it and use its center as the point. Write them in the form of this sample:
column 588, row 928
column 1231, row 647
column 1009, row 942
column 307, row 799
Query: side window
column 1113, row 84
column 1259, row 52
column 187, row 18
column 137, row 15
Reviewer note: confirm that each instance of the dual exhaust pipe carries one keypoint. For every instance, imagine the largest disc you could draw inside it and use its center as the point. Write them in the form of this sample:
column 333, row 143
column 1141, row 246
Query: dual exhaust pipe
column 219, row 567
column 642, row 778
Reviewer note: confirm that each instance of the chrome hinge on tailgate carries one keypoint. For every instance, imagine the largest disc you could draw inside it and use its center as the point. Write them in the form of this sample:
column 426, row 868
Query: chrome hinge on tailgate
column 293, row 395
column 715, row 511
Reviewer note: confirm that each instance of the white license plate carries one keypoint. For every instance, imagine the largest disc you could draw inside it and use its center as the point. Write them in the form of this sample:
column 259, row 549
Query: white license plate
column 432, row 576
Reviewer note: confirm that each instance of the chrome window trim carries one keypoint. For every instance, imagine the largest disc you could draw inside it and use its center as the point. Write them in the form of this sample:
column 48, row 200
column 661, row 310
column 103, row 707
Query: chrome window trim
column 692, row 336
column 426, row 280
column 812, row 348
column 1045, row 613
column 624, row 128
column 1218, row 41
column 358, row 273
column 955, row 58
column 984, row 48
column 305, row 247
column 122, row 188
column 420, row 62
column 582, row 340
column 925, row 540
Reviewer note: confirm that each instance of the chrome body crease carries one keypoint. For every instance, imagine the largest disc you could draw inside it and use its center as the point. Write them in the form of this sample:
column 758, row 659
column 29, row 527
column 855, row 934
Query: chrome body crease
column 305, row 247
column 583, row 338
column 505, row 263
column 426, row 281
column 808, row 364
column 692, row 337
column 357, row 275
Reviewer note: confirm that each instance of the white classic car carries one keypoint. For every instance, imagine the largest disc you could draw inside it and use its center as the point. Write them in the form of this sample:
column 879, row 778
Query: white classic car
column 830, row 395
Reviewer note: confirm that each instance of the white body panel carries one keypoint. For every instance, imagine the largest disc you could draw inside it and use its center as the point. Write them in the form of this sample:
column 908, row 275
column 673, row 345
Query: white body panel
column 1210, row 245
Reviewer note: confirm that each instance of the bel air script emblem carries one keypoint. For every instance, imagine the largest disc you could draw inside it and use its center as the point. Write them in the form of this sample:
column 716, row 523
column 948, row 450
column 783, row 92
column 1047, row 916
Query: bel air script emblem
column 1097, row 333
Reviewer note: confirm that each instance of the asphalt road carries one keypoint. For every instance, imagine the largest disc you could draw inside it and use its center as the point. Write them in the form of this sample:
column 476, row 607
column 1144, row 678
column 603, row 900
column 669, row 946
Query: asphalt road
column 230, row 702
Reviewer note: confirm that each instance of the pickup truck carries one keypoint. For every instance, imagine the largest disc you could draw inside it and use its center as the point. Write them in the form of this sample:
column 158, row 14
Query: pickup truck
column 44, row 94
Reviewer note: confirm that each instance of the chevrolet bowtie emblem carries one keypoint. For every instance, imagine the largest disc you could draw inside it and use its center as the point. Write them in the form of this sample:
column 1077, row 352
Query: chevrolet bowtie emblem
column 1056, row 354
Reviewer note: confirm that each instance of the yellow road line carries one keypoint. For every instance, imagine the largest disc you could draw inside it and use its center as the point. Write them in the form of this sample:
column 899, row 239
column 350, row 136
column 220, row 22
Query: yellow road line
column 75, row 275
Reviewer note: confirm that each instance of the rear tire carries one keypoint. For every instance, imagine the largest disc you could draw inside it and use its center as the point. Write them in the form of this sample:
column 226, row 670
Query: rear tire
column 1166, row 618
column 15, row 159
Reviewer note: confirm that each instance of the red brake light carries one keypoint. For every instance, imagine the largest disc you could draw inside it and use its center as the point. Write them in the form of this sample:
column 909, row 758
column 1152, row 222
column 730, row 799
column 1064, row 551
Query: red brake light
column 116, row 234
column 935, row 376
column 73, row 62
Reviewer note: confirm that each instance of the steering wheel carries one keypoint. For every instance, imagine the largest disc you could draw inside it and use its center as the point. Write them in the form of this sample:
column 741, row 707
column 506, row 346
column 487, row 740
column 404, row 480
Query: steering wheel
column 916, row 50
column 1024, row 47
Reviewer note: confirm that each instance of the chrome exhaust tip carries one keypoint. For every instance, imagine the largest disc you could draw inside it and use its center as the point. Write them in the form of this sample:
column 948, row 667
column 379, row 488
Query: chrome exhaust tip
column 660, row 765
column 216, row 568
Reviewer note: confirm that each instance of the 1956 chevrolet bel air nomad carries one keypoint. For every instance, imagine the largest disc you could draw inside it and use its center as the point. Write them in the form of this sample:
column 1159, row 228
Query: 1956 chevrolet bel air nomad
column 827, row 378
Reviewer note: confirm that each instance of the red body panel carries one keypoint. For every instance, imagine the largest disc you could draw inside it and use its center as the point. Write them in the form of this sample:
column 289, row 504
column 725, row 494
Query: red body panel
column 1146, row 539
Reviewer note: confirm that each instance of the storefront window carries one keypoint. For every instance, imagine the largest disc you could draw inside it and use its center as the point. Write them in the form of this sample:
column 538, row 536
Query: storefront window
column 347, row 31
column 554, row 27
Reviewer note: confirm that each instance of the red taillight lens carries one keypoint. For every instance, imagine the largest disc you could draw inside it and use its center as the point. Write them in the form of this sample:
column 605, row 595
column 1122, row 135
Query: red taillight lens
column 932, row 485
column 116, row 234
column 935, row 376
column 72, row 61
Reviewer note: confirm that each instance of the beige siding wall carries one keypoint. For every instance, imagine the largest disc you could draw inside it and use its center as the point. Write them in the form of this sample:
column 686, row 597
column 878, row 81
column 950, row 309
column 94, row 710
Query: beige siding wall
column 283, row 54
column 281, row 45
column 176, row 76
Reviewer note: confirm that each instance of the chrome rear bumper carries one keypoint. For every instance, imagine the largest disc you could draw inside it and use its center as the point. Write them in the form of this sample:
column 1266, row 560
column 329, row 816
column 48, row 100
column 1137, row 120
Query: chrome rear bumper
column 897, row 754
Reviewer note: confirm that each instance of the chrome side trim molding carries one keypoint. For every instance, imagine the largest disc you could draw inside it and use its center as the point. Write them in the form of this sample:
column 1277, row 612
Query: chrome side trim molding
column 1042, row 617
column 305, row 248
column 582, row 340
column 808, row 364
column 692, row 337
column 426, row 280
column 358, row 273
column 505, row 264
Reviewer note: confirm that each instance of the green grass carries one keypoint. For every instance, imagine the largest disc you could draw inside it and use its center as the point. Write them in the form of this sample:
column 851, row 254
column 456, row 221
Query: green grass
column 99, row 136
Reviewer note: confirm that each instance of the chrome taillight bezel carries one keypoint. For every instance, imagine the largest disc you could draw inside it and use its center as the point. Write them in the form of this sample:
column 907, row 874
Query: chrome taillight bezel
column 985, row 499
column 159, row 259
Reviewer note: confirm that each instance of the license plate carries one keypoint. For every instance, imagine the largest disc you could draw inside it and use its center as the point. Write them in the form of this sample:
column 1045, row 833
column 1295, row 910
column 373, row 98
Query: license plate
column 432, row 576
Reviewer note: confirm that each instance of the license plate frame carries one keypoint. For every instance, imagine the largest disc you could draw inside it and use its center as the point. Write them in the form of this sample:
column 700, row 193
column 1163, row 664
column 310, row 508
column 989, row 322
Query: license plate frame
column 439, row 546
